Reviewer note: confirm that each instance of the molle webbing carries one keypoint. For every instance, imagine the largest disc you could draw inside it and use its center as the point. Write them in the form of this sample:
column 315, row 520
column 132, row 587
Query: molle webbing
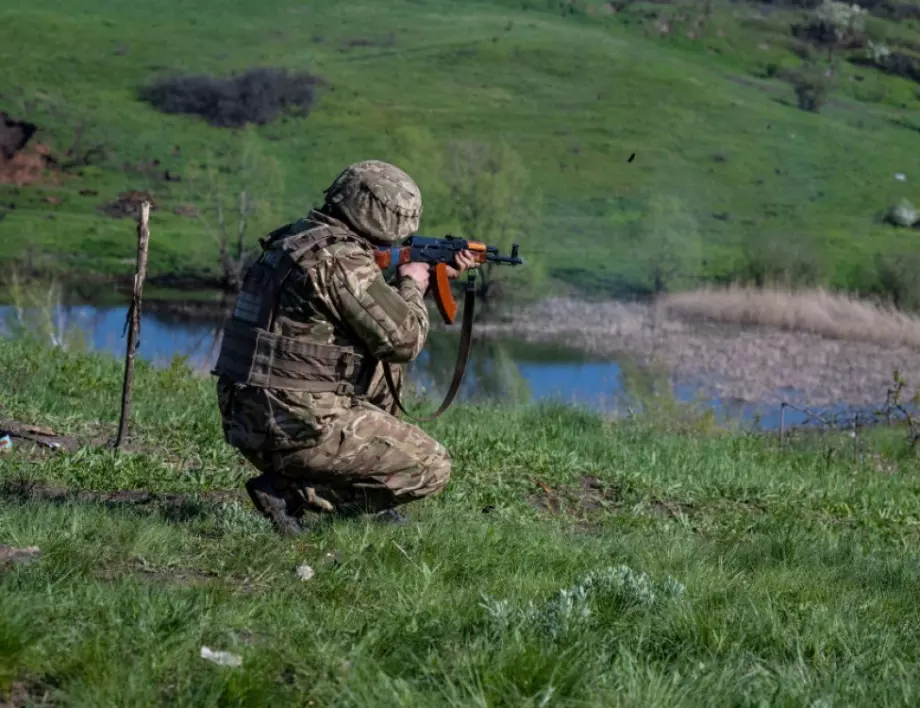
column 258, row 358
column 251, row 354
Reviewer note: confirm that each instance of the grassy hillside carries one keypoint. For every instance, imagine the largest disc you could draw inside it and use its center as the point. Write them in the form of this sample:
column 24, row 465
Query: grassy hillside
column 730, row 177
column 570, row 562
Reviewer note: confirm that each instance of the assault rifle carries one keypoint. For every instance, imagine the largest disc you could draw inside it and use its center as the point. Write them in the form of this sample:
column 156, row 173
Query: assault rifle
column 439, row 253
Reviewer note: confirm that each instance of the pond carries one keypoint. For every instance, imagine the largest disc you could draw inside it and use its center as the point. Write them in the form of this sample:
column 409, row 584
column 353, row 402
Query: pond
column 499, row 369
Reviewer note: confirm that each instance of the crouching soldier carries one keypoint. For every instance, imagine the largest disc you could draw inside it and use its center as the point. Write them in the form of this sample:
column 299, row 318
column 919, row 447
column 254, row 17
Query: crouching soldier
column 300, row 385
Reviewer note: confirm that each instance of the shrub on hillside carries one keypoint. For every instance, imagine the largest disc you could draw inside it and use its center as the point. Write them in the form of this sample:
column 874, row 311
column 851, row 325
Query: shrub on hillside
column 900, row 64
column 784, row 262
column 798, row 4
column 897, row 277
column 257, row 96
column 892, row 9
column 894, row 62
column 812, row 89
column 665, row 245
column 833, row 24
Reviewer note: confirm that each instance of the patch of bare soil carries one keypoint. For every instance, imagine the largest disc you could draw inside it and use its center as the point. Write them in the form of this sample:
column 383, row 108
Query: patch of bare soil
column 141, row 570
column 20, row 163
column 26, row 490
column 10, row 556
column 31, row 693
column 128, row 204
column 39, row 436
column 189, row 210
column 590, row 496
column 670, row 508
column 758, row 364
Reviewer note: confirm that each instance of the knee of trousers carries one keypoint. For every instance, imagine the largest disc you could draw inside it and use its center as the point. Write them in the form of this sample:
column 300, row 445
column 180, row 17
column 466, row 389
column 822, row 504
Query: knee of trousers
column 436, row 470
column 426, row 476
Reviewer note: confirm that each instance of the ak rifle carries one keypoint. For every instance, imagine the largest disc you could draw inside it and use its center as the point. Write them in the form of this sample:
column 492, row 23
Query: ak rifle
column 440, row 253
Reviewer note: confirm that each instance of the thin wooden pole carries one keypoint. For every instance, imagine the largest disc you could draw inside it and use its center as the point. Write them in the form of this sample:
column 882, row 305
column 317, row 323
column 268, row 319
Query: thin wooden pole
column 134, row 319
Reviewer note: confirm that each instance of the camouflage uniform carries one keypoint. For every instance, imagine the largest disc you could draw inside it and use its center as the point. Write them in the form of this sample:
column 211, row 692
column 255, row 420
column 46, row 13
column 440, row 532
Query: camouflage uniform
column 300, row 379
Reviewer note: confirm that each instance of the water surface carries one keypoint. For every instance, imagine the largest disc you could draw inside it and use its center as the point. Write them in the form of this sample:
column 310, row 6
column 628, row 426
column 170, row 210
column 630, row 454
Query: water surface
column 504, row 370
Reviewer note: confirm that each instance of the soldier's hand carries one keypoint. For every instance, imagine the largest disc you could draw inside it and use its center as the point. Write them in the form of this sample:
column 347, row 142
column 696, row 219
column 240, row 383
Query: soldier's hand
column 463, row 261
column 419, row 272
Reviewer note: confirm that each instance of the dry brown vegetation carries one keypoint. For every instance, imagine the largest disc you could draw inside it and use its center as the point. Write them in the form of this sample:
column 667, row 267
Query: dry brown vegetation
column 791, row 358
column 832, row 315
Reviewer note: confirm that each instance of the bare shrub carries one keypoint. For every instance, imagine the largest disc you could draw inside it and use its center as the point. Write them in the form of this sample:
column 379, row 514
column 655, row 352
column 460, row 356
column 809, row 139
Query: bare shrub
column 817, row 311
column 37, row 311
column 236, row 203
column 257, row 96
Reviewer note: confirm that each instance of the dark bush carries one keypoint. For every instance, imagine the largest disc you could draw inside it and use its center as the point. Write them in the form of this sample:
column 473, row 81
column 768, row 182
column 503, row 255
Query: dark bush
column 798, row 4
column 892, row 10
column 903, row 65
column 818, row 32
column 823, row 34
column 811, row 91
column 257, row 96
column 906, row 66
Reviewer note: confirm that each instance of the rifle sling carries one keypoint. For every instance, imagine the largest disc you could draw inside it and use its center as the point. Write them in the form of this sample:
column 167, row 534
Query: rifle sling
column 466, row 341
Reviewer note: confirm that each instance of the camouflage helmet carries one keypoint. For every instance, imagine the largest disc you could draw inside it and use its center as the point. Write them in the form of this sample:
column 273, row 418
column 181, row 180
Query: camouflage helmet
column 378, row 200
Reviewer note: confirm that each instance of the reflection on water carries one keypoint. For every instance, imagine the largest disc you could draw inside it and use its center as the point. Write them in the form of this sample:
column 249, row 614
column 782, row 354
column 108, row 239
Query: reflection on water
column 509, row 371
column 497, row 370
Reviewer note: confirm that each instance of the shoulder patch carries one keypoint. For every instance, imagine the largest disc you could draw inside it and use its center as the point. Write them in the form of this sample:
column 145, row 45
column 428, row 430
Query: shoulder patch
column 388, row 300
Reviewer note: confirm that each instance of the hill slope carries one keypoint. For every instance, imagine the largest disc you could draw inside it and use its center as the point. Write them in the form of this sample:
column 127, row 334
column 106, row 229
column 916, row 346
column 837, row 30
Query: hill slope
column 729, row 175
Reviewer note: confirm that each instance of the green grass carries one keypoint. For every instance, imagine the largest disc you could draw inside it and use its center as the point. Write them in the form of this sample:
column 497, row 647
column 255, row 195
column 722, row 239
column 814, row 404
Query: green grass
column 571, row 89
column 753, row 577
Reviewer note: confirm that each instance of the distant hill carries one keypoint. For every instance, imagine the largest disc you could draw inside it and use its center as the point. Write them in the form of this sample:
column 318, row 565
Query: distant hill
column 731, row 177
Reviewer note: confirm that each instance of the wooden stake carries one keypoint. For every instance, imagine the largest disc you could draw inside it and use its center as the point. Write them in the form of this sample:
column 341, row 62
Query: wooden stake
column 134, row 319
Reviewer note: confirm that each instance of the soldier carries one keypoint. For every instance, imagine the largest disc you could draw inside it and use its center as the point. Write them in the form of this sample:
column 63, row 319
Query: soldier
column 300, row 386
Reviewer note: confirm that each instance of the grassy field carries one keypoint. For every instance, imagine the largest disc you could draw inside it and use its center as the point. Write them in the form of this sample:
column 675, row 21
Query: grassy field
column 571, row 561
column 728, row 172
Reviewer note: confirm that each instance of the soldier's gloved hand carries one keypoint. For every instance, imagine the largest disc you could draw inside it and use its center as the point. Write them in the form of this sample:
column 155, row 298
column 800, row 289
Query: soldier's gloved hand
column 463, row 261
column 419, row 272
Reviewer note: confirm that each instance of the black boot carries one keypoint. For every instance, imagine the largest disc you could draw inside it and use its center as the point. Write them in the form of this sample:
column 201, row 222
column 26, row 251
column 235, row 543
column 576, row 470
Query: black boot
column 390, row 516
column 273, row 504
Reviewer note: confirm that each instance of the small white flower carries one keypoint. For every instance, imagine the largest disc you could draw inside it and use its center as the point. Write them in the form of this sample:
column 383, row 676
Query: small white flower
column 305, row 572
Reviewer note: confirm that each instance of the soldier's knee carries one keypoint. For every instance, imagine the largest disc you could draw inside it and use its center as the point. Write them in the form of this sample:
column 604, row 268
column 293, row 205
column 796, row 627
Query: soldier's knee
column 438, row 469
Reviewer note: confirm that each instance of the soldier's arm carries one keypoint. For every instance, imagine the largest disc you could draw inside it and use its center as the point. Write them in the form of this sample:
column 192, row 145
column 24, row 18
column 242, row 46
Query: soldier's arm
column 391, row 321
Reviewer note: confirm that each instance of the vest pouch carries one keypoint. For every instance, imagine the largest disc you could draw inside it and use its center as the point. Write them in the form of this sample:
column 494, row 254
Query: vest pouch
column 256, row 357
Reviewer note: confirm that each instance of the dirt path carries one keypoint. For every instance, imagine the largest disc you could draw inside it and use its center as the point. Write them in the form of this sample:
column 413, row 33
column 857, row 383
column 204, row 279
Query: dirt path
column 744, row 363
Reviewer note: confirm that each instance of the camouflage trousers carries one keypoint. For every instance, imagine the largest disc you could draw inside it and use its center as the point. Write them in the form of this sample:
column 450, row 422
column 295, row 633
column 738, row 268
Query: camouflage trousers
column 368, row 460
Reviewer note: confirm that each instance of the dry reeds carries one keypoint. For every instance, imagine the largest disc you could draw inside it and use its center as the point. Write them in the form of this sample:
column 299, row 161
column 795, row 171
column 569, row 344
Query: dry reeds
column 831, row 315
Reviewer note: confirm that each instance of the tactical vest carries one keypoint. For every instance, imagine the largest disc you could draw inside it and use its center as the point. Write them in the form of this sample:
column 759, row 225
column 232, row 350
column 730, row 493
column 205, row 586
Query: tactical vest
column 252, row 355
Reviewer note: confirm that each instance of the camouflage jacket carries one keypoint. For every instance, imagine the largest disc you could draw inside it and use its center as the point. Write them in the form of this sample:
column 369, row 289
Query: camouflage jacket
column 313, row 318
